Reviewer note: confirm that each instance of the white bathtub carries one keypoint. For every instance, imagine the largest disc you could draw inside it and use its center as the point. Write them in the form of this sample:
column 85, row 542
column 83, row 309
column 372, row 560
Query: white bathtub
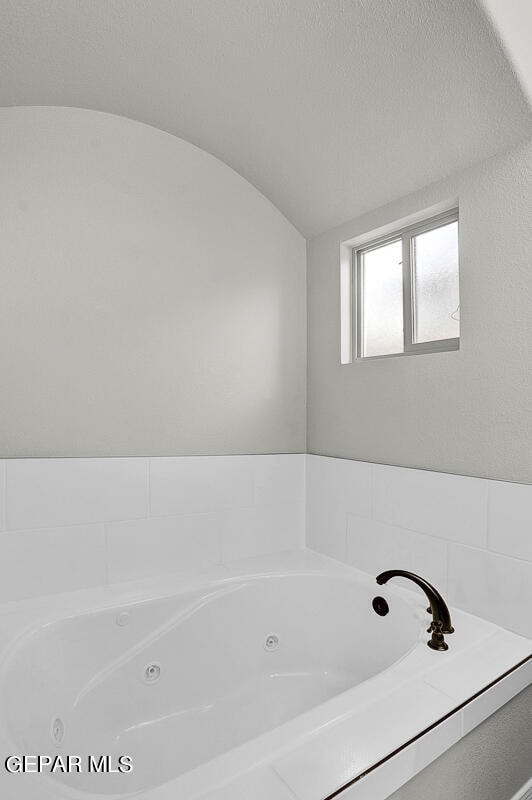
column 237, row 673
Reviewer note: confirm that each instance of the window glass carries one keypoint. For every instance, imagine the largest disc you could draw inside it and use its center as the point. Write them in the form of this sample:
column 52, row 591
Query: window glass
column 435, row 284
column 382, row 300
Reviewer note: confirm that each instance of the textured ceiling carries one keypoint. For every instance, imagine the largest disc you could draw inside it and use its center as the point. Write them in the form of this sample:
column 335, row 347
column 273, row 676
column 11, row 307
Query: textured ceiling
column 329, row 107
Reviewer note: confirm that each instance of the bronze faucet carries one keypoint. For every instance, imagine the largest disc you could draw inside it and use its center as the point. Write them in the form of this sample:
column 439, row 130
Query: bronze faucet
column 441, row 618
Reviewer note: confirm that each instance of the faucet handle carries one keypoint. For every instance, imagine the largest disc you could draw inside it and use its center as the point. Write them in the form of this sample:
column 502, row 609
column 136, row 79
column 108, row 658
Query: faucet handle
column 448, row 629
column 437, row 640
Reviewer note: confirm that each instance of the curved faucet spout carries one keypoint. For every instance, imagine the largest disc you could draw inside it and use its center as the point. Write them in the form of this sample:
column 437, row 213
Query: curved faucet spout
column 438, row 606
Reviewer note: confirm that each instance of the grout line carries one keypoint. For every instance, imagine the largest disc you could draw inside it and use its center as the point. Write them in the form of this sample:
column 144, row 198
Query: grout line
column 167, row 456
column 3, row 498
column 419, row 469
column 447, row 568
column 148, row 484
column 283, row 782
column 305, row 471
column 60, row 526
column 372, row 492
column 255, row 492
column 344, row 557
column 106, row 549
column 220, row 545
column 499, row 553
column 441, row 539
column 496, row 553
column 457, row 542
column 459, row 708
column 177, row 515
column 487, row 520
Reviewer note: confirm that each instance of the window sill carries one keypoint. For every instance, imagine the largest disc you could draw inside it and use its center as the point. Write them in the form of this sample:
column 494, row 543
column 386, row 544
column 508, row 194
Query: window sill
column 445, row 346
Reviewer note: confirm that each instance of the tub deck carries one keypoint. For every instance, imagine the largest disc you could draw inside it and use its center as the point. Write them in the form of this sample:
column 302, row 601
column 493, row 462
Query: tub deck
column 310, row 734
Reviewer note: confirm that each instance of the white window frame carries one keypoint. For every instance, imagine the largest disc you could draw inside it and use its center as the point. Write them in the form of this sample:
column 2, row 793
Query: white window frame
column 406, row 236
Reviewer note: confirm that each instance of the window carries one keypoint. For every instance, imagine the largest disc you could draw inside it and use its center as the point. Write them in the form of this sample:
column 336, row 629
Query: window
column 406, row 294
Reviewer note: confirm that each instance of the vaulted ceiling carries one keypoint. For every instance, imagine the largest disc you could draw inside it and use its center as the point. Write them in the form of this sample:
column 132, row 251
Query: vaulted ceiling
column 329, row 107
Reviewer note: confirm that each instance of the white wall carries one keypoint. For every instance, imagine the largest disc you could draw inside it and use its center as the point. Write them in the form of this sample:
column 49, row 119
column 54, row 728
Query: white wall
column 470, row 537
column 466, row 412
column 69, row 524
column 152, row 301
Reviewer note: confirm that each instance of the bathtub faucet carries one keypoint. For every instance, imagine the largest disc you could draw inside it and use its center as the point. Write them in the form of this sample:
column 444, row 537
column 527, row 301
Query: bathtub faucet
column 441, row 618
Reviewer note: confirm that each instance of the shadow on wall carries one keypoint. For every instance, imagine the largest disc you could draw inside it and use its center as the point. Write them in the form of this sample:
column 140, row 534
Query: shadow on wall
column 153, row 302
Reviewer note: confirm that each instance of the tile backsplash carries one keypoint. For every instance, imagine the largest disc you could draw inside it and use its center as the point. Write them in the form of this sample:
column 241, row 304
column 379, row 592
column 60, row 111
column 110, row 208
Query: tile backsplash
column 78, row 522
column 471, row 537
column 69, row 524
column 42, row 493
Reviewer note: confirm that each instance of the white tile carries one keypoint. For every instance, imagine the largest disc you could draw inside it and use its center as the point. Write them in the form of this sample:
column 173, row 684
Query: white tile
column 491, row 586
column 394, row 773
column 491, row 700
column 485, row 662
column 336, row 755
column 260, row 784
column 386, row 779
column 2, row 496
column 386, row 493
column 157, row 546
column 433, row 743
column 199, row 484
column 51, row 561
column 50, row 492
column 341, row 482
column 510, row 519
column 375, row 546
column 452, row 507
column 279, row 479
column 326, row 529
column 335, row 486
column 254, row 531
column 278, row 562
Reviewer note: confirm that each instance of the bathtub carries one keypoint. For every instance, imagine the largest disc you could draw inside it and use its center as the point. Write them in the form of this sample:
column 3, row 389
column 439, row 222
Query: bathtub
column 283, row 672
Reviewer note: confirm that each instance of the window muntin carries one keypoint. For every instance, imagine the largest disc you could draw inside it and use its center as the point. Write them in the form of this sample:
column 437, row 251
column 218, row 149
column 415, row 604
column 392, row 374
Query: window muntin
column 406, row 291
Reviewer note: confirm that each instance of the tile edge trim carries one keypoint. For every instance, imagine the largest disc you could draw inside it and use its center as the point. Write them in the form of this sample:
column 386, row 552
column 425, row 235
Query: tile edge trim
column 426, row 730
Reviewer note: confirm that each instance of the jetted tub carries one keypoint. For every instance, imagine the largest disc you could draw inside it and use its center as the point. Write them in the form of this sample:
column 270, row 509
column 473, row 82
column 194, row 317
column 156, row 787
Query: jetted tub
column 199, row 686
